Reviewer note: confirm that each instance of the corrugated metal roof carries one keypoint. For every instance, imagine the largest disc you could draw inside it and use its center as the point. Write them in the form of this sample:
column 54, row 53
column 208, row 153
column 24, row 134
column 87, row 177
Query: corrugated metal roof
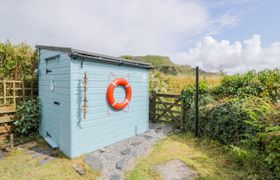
column 75, row 53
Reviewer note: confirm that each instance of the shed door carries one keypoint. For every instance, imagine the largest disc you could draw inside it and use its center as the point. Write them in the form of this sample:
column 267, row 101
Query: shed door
column 53, row 102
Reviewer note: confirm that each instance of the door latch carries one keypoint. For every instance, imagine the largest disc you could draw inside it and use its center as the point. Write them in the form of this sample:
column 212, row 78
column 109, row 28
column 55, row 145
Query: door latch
column 48, row 71
column 56, row 103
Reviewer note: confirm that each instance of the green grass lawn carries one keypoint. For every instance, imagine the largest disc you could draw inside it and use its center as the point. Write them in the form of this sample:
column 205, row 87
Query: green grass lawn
column 20, row 165
column 207, row 157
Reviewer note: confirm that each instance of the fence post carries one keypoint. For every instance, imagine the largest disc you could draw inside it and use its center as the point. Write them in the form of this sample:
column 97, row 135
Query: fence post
column 5, row 92
column 182, row 113
column 23, row 89
column 196, row 100
column 11, row 141
column 14, row 93
column 154, row 97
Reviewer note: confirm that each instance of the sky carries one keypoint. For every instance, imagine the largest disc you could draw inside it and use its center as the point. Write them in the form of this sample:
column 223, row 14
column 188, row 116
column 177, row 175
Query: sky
column 229, row 35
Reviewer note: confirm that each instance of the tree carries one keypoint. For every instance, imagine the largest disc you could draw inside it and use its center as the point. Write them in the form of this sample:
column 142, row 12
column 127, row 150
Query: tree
column 17, row 61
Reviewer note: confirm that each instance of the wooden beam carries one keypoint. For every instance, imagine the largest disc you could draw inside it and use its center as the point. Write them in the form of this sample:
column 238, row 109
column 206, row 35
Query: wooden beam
column 14, row 93
column 11, row 97
column 154, row 97
column 172, row 111
column 182, row 119
column 7, row 109
column 5, row 93
column 23, row 90
column 168, row 103
column 7, row 118
column 169, row 95
column 5, row 129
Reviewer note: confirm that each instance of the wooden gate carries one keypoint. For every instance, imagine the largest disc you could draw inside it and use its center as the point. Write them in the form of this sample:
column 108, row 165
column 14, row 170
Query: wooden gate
column 168, row 108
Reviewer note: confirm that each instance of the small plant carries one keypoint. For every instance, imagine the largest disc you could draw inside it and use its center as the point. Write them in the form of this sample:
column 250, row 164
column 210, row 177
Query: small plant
column 28, row 113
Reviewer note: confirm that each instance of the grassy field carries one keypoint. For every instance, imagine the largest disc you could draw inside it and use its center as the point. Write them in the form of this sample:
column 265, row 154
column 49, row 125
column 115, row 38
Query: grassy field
column 20, row 165
column 208, row 158
column 177, row 83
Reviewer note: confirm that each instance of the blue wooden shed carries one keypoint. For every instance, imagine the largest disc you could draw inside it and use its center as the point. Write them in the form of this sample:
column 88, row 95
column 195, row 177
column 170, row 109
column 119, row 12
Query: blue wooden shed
column 75, row 114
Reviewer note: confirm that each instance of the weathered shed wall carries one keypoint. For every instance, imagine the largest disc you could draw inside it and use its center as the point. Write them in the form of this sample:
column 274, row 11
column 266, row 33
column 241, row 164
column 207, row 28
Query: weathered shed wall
column 103, row 125
column 62, row 115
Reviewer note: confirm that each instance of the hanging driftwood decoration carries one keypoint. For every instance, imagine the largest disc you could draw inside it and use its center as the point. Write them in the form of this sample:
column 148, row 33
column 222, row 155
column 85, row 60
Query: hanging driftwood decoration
column 85, row 80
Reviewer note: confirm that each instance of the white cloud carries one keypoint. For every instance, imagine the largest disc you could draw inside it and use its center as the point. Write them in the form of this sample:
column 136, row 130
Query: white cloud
column 114, row 27
column 138, row 27
column 109, row 26
column 214, row 55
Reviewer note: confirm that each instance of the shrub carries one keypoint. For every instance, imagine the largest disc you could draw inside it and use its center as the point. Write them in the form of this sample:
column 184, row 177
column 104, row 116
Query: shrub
column 243, row 114
column 271, row 140
column 189, row 93
column 28, row 112
column 252, row 83
column 249, row 127
column 17, row 61
column 236, row 121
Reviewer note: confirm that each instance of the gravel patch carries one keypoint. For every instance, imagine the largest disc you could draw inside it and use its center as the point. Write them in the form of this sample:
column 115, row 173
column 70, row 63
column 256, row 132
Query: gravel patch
column 120, row 157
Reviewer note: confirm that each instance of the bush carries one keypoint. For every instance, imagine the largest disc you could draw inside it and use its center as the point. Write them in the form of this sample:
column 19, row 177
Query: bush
column 17, row 61
column 252, row 83
column 271, row 140
column 250, row 129
column 243, row 113
column 236, row 121
column 189, row 93
column 28, row 114
column 188, row 96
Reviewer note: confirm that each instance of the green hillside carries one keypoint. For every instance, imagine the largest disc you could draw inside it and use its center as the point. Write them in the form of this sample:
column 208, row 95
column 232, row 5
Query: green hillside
column 165, row 64
column 154, row 60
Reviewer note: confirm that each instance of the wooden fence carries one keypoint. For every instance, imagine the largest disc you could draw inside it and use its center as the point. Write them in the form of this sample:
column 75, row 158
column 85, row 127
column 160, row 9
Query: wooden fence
column 168, row 108
column 11, row 92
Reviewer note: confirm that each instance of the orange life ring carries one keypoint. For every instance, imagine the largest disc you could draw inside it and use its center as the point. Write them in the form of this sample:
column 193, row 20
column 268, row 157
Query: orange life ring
column 110, row 93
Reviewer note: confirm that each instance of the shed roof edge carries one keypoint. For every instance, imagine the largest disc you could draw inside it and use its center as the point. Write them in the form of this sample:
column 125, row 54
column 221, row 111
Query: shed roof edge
column 98, row 57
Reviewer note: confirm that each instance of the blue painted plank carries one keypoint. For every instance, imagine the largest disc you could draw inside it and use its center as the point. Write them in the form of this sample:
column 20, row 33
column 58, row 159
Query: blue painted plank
column 101, row 128
column 55, row 119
